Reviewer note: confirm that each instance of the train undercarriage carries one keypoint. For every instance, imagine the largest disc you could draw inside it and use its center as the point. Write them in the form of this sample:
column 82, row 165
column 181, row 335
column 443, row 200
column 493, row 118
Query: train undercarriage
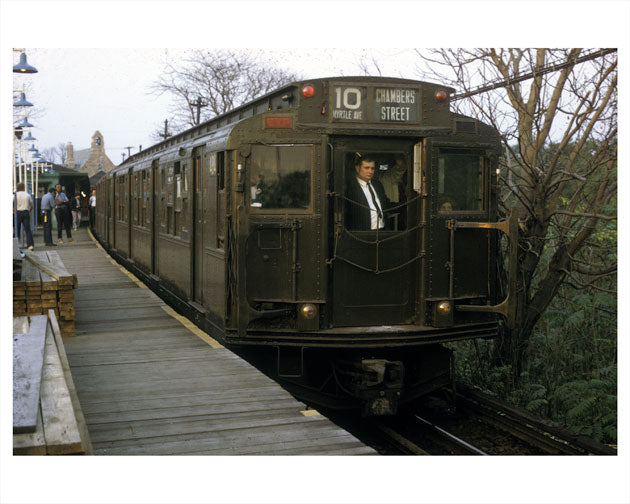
column 376, row 382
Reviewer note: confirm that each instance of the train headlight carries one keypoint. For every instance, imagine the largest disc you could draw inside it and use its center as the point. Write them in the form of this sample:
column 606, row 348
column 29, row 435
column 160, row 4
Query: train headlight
column 308, row 311
column 442, row 313
column 308, row 317
column 444, row 307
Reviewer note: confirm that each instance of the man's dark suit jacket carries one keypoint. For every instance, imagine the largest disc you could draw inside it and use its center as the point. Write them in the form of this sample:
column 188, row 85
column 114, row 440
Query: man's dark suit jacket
column 358, row 217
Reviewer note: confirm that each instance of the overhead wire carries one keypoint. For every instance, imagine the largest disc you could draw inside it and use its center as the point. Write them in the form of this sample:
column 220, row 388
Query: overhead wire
column 529, row 75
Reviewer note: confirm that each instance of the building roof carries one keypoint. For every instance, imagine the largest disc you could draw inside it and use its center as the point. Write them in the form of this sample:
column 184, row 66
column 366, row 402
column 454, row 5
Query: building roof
column 80, row 157
column 64, row 170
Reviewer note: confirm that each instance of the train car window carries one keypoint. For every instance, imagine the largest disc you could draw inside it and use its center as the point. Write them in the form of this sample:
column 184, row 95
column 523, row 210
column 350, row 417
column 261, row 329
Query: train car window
column 136, row 199
column 170, row 193
column 388, row 175
column 162, row 210
column 217, row 169
column 140, row 196
column 177, row 199
column 110, row 194
column 184, row 200
column 121, row 198
column 280, row 176
column 459, row 181
column 220, row 168
column 147, row 198
column 125, row 189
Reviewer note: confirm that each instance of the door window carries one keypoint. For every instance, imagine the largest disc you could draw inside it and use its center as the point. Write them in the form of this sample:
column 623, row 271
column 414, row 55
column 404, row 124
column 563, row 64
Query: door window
column 383, row 203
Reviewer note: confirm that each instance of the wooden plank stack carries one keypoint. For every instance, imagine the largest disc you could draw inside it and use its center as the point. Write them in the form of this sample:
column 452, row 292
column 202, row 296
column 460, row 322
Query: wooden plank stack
column 28, row 359
column 54, row 424
column 45, row 284
column 17, row 260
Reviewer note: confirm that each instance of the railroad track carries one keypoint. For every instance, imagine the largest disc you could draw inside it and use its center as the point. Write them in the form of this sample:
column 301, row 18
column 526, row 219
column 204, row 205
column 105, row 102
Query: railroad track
column 426, row 429
column 550, row 438
column 480, row 425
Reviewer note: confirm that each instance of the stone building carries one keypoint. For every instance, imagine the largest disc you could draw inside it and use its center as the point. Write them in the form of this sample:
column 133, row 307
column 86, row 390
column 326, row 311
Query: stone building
column 92, row 161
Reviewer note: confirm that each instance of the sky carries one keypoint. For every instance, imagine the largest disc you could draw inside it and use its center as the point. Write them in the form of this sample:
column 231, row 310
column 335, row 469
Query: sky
column 96, row 61
column 78, row 91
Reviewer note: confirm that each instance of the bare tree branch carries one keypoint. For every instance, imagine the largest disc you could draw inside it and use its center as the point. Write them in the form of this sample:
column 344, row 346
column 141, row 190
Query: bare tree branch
column 219, row 80
column 560, row 131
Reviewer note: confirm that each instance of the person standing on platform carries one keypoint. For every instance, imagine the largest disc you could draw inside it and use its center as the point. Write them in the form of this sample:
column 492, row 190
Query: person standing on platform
column 76, row 212
column 61, row 200
column 24, row 207
column 48, row 203
column 92, row 208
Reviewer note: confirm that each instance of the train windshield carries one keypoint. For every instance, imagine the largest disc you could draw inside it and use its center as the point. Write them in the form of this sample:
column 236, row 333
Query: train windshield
column 376, row 190
column 460, row 181
column 280, row 176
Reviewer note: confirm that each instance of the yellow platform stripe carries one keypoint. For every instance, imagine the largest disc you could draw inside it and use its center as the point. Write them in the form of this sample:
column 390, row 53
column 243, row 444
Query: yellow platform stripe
column 310, row 412
column 94, row 239
column 133, row 278
column 183, row 320
column 126, row 272
column 192, row 327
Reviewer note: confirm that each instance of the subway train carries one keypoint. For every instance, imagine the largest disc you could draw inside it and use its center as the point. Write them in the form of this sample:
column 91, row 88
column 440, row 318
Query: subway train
column 335, row 231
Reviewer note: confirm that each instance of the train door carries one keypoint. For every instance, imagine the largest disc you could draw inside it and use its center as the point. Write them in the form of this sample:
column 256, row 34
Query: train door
column 199, row 218
column 458, row 254
column 375, row 243
column 154, row 216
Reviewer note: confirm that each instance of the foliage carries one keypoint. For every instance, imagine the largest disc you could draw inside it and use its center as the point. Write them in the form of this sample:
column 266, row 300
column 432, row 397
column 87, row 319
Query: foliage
column 570, row 375
column 556, row 110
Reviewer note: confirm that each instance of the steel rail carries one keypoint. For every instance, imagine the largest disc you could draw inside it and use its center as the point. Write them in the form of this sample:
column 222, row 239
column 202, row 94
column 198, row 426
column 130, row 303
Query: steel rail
column 399, row 441
column 521, row 430
column 525, row 426
column 452, row 439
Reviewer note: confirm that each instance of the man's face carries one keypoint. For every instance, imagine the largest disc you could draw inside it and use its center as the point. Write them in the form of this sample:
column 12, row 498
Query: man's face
column 58, row 188
column 365, row 171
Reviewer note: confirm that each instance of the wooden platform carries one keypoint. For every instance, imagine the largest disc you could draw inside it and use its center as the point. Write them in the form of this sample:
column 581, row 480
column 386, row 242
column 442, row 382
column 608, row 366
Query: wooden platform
column 150, row 383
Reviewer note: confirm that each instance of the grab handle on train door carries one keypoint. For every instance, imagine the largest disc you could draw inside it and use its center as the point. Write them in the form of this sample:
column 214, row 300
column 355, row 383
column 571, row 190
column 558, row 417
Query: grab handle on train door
column 509, row 226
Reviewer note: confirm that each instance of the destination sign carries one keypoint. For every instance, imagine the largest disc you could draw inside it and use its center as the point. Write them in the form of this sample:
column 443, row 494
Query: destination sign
column 396, row 105
column 349, row 103
column 393, row 105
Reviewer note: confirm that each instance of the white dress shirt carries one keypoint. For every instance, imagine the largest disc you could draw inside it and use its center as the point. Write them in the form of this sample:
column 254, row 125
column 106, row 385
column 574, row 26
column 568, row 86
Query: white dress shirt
column 374, row 219
column 24, row 201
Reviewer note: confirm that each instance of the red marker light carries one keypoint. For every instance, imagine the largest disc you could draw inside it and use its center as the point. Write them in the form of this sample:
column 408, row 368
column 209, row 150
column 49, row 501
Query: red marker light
column 441, row 96
column 308, row 91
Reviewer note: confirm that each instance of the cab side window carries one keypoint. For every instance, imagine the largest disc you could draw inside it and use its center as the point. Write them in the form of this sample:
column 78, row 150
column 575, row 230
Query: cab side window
column 460, row 181
column 280, row 176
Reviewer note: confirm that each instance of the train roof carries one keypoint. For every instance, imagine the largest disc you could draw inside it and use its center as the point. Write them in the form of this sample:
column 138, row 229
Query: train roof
column 275, row 100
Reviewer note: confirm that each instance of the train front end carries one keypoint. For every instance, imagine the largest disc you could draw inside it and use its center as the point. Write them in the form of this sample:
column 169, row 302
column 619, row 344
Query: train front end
column 363, row 235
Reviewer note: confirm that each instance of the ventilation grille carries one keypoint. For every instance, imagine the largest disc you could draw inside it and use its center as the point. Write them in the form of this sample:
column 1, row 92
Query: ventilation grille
column 465, row 127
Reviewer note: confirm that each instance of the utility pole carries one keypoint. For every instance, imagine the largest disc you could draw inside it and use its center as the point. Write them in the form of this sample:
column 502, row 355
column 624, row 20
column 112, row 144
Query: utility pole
column 199, row 106
column 123, row 155
column 128, row 150
column 166, row 134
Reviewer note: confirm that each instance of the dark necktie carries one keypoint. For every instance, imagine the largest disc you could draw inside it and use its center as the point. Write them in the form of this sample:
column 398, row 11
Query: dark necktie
column 378, row 208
